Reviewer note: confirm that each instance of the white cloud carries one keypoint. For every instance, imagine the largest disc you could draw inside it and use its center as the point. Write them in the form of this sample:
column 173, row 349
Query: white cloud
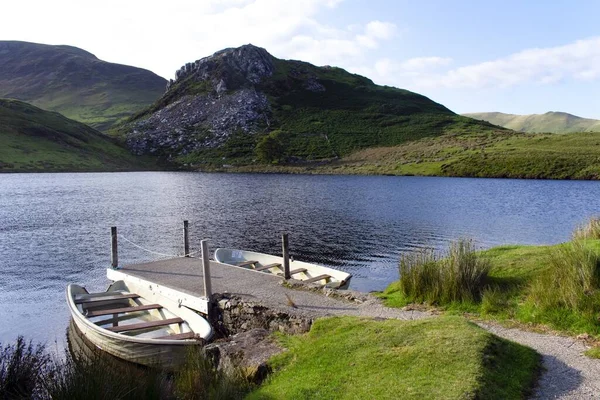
column 163, row 36
column 579, row 61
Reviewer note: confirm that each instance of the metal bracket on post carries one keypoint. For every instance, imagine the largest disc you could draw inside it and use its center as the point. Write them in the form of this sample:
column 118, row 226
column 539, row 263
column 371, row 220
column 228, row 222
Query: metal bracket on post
column 114, row 253
column 286, row 256
column 206, row 270
column 186, row 239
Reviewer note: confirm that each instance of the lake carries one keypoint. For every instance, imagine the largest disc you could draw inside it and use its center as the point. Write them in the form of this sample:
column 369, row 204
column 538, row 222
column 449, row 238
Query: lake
column 55, row 228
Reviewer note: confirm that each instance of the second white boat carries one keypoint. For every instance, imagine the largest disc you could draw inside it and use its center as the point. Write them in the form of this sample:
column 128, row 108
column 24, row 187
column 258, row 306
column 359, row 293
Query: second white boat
column 303, row 271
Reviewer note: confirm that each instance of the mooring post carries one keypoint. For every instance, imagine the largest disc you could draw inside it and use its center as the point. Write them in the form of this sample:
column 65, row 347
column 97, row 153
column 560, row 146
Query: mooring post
column 186, row 239
column 286, row 256
column 206, row 270
column 114, row 254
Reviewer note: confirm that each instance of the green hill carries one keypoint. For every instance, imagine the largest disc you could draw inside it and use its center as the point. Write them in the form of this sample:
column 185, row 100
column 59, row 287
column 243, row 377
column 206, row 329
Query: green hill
column 553, row 122
column 75, row 83
column 241, row 105
column 32, row 139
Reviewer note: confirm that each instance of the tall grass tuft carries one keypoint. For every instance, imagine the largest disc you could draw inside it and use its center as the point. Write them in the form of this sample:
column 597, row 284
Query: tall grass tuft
column 103, row 377
column 199, row 379
column 589, row 230
column 572, row 280
column 21, row 366
column 458, row 276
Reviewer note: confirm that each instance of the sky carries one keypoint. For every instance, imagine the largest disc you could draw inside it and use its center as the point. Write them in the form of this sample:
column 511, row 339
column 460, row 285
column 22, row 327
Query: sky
column 519, row 57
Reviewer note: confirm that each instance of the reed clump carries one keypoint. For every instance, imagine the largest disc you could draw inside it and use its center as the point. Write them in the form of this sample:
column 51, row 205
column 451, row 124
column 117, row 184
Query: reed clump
column 459, row 275
column 22, row 364
column 28, row 371
column 589, row 230
column 572, row 280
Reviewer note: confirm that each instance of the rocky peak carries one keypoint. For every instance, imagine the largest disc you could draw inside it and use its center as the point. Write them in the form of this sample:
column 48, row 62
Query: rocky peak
column 229, row 69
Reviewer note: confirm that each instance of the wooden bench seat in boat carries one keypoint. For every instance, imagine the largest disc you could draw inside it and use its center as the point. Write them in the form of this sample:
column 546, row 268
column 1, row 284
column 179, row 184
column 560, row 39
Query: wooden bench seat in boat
column 245, row 263
column 97, row 299
column 317, row 278
column 145, row 325
column 179, row 336
column 298, row 271
column 268, row 266
column 122, row 310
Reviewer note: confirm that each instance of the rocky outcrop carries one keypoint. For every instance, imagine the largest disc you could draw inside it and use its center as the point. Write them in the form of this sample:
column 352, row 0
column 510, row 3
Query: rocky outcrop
column 233, row 315
column 209, row 100
column 229, row 69
column 195, row 122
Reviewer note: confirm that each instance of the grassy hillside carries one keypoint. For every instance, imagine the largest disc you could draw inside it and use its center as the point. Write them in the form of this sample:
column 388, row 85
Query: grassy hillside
column 553, row 122
column 438, row 358
column 75, row 83
column 501, row 154
column 32, row 139
column 352, row 112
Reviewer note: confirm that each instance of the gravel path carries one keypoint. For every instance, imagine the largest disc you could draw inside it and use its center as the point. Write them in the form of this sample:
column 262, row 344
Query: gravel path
column 568, row 375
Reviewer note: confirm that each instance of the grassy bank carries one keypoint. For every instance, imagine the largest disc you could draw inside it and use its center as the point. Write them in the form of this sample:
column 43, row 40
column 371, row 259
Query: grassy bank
column 556, row 286
column 340, row 358
column 501, row 154
column 351, row 358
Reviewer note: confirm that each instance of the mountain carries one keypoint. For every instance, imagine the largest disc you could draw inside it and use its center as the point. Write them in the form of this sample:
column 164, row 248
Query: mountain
column 243, row 104
column 32, row 139
column 75, row 83
column 553, row 122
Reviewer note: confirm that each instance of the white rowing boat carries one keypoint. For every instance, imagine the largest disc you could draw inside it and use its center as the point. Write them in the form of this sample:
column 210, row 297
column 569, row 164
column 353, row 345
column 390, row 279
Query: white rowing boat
column 302, row 271
column 136, row 324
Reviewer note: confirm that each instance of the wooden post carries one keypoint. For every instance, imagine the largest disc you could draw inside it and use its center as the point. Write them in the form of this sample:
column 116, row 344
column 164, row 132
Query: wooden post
column 206, row 270
column 186, row 239
column 114, row 254
column 286, row 256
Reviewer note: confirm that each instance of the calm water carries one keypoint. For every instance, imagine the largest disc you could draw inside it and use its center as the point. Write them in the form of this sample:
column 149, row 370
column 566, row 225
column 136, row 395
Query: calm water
column 54, row 228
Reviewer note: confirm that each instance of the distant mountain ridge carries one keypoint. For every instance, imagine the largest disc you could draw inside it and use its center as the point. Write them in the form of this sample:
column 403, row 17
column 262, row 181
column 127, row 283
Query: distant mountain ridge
column 553, row 122
column 32, row 139
column 244, row 104
column 75, row 82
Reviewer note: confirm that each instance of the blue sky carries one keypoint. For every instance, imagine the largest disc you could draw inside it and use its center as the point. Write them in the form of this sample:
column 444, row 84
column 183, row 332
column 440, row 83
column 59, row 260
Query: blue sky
column 512, row 56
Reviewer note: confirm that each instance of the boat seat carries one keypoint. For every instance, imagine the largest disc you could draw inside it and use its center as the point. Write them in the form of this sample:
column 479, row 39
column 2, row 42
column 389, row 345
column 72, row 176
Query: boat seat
column 122, row 310
column 268, row 266
column 108, row 297
column 317, row 278
column 145, row 325
column 297, row 271
column 179, row 336
column 245, row 263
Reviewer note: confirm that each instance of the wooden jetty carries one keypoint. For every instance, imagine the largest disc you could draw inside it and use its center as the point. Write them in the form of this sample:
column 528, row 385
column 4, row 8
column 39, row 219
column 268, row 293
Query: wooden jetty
column 200, row 284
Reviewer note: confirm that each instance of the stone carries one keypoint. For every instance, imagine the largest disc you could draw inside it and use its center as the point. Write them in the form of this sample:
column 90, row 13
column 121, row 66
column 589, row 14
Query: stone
column 248, row 351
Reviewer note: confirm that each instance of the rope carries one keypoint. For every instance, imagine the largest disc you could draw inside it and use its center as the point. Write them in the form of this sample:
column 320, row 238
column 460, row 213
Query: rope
column 155, row 252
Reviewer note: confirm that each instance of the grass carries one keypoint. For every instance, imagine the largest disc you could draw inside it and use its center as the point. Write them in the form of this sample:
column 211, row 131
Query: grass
column 461, row 275
column 499, row 154
column 594, row 352
column 589, row 230
column 556, row 286
column 442, row 358
column 28, row 371
column 32, row 139
column 22, row 366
